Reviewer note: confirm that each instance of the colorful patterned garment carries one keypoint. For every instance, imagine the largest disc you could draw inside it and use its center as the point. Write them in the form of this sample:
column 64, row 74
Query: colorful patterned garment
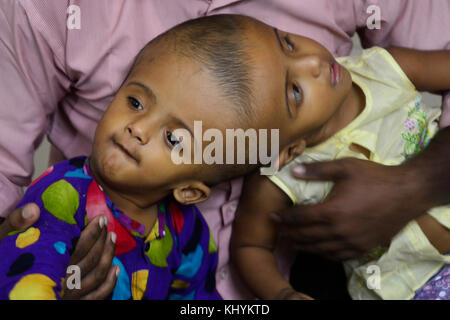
column 177, row 260
column 437, row 288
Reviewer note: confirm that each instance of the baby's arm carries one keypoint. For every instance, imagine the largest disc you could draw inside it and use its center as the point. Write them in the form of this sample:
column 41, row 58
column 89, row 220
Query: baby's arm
column 254, row 238
column 427, row 70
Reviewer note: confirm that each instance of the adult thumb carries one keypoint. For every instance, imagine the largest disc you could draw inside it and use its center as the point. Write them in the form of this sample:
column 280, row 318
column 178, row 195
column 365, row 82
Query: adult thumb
column 24, row 217
column 319, row 171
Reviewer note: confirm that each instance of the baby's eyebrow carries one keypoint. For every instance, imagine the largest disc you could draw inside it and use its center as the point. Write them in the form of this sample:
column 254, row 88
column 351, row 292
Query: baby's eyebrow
column 275, row 30
column 286, row 100
column 147, row 89
column 182, row 124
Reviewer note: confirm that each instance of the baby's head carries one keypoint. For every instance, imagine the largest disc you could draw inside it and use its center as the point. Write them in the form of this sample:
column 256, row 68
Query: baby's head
column 197, row 71
column 227, row 72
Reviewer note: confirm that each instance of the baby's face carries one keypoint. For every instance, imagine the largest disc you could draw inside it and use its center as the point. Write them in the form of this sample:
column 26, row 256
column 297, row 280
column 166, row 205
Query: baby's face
column 298, row 85
column 134, row 140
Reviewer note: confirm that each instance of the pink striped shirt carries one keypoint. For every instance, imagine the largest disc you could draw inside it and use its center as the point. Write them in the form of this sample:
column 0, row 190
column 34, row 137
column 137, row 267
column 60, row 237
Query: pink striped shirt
column 57, row 81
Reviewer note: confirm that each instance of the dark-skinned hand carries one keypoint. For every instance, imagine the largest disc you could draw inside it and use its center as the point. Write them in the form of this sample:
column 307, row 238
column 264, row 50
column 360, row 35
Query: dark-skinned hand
column 369, row 203
column 94, row 253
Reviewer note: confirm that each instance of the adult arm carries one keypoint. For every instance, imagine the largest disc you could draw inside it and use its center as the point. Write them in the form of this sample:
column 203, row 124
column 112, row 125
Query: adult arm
column 369, row 203
column 32, row 83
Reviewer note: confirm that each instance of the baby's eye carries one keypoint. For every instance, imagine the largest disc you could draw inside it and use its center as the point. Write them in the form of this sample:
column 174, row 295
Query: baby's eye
column 172, row 139
column 289, row 43
column 134, row 103
column 297, row 94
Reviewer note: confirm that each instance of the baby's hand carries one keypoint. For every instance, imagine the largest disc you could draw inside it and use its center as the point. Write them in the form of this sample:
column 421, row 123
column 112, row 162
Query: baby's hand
column 290, row 294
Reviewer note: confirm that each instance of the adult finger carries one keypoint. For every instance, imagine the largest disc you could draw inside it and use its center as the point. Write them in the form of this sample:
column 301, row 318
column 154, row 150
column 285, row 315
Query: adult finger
column 88, row 238
column 307, row 234
column 98, row 275
column 20, row 219
column 92, row 258
column 98, row 281
column 105, row 289
column 320, row 171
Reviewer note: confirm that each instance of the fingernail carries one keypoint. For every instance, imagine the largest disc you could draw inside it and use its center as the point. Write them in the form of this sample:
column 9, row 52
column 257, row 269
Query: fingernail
column 299, row 169
column 27, row 212
column 113, row 237
column 101, row 222
column 117, row 271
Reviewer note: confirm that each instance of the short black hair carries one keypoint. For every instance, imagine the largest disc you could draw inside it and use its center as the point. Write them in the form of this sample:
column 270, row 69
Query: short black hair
column 217, row 43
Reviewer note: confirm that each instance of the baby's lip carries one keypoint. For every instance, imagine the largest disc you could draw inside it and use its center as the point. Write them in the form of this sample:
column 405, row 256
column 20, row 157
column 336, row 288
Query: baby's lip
column 127, row 150
column 335, row 73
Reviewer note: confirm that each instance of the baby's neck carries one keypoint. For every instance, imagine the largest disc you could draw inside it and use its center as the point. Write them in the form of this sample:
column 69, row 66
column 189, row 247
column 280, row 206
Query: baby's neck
column 141, row 208
column 350, row 109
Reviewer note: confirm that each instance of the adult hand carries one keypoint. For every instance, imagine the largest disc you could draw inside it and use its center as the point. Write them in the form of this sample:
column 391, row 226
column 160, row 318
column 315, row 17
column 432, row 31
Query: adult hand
column 93, row 254
column 367, row 206
column 20, row 219
column 291, row 294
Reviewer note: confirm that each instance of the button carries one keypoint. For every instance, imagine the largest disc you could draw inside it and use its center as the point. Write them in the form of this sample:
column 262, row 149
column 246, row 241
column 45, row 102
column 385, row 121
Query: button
column 344, row 139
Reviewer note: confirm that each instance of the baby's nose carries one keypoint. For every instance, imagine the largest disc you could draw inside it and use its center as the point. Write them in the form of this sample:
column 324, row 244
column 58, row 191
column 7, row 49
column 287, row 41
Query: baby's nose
column 136, row 131
column 311, row 64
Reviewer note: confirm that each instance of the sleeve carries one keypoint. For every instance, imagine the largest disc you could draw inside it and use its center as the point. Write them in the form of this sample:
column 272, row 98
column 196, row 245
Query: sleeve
column 32, row 82
column 34, row 261
column 302, row 191
column 195, row 278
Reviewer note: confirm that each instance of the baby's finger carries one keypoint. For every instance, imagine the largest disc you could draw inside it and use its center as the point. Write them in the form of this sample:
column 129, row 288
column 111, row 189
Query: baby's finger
column 20, row 219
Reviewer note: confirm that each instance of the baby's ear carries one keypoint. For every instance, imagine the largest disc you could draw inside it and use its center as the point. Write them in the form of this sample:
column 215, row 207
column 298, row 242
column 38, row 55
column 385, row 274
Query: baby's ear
column 290, row 152
column 192, row 192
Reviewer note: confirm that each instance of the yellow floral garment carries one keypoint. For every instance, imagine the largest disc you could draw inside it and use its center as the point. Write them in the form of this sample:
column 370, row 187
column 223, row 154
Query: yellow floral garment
column 394, row 125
